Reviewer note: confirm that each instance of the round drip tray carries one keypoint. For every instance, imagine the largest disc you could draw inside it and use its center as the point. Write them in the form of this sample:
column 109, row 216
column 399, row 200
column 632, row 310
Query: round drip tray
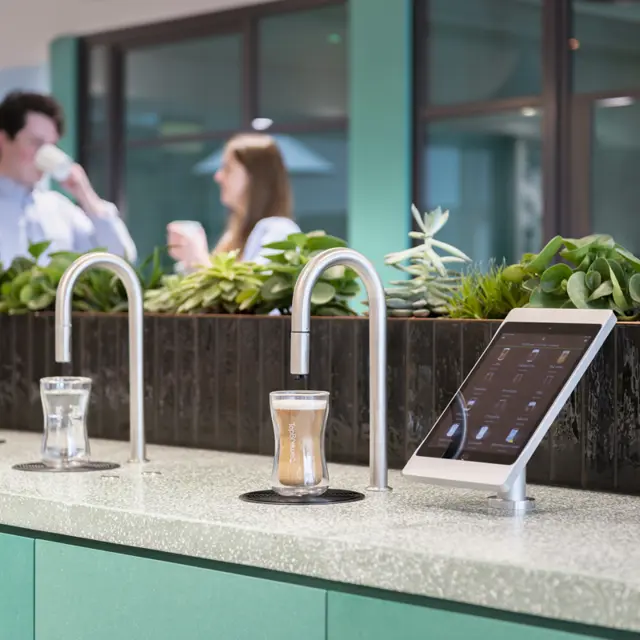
column 85, row 466
column 330, row 496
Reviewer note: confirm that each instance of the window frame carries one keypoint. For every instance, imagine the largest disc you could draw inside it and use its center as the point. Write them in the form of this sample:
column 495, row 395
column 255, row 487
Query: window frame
column 555, row 101
column 243, row 21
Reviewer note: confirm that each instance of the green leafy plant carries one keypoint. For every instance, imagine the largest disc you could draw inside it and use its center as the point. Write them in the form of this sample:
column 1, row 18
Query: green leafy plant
column 432, row 283
column 597, row 273
column 27, row 285
column 100, row 291
column 226, row 285
column 334, row 289
column 487, row 294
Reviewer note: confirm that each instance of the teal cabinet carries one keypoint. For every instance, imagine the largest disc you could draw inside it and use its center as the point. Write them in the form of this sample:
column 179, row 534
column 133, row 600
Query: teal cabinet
column 85, row 593
column 352, row 617
column 16, row 587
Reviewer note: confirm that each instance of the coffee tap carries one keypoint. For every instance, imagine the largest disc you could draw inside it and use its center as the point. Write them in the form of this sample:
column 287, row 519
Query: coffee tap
column 300, row 340
column 129, row 278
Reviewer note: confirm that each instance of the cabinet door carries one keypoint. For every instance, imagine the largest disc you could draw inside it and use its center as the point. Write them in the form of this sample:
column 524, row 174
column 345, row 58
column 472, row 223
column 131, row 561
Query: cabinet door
column 84, row 593
column 16, row 587
column 359, row 618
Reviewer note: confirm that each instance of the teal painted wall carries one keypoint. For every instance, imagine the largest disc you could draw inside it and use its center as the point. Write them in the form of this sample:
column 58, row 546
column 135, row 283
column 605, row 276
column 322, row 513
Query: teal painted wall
column 63, row 71
column 380, row 133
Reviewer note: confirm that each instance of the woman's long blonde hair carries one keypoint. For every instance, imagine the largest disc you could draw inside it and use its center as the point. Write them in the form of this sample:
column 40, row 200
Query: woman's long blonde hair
column 268, row 190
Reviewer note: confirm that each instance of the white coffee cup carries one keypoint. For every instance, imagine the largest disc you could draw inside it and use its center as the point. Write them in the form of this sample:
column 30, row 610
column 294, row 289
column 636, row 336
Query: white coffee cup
column 188, row 227
column 53, row 161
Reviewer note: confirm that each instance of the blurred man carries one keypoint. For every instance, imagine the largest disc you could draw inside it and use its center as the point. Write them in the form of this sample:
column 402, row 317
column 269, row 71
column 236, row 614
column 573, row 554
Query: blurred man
column 28, row 212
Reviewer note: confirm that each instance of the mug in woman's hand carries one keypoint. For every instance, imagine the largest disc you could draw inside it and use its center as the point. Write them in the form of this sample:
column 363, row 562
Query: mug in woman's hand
column 187, row 242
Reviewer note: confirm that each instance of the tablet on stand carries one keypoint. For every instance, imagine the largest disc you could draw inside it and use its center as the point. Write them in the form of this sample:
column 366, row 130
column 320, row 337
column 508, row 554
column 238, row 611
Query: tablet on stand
column 487, row 434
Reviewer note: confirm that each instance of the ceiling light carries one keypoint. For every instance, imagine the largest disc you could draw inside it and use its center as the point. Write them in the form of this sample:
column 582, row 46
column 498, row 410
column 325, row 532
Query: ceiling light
column 529, row 112
column 621, row 101
column 261, row 124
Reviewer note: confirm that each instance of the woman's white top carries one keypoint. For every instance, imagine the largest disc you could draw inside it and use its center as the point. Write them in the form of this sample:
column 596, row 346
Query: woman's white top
column 268, row 230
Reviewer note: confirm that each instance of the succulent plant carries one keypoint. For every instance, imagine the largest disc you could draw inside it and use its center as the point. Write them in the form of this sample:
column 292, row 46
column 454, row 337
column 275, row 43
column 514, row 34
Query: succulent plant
column 598, row 274
column 226, row 285
column 486, row 294
column 334, row 289
column 432, row 282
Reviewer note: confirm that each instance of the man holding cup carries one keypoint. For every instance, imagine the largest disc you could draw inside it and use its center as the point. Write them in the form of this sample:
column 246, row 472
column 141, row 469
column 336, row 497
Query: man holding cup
column 30, row 127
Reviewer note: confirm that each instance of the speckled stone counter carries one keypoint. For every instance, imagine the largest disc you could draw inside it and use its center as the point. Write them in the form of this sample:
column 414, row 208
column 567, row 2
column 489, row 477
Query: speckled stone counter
column 576, row 559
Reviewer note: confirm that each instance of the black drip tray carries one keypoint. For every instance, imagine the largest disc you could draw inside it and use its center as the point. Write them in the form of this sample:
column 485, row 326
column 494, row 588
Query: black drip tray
column 80, row 468
column 330, row 496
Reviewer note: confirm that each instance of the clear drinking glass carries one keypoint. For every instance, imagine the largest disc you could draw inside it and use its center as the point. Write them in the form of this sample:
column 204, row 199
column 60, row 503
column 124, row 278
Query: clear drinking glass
column 64, row 404
column 299, row 424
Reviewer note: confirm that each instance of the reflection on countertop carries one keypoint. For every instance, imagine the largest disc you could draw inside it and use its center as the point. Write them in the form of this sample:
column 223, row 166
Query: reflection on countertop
column 577, row 558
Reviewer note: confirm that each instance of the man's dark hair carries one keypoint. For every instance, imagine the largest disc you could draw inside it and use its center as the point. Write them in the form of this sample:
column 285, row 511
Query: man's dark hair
column 15, row 107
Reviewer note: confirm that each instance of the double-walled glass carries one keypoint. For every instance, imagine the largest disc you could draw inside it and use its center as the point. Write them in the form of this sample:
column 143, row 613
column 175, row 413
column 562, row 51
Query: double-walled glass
column 64, row 404
column 299, row 424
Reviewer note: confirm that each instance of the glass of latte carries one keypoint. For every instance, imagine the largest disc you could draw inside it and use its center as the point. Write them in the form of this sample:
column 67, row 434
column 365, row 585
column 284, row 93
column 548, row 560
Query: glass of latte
column 299, row 423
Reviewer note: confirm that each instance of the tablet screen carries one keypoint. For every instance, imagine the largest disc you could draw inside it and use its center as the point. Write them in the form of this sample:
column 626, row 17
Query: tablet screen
column 509, row 392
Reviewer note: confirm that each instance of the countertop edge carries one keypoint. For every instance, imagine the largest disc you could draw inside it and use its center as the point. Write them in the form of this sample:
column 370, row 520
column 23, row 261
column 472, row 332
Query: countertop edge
column 448, row 578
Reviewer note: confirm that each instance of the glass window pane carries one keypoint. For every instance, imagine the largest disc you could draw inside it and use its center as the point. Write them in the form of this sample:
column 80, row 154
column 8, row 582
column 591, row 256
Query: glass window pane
column 164, row 183
column 608, row 46
column 184, row 88
column 97, row 170
column 318, row 170
column 174, row 182
column 303, row 65
column 486, row 170
column 98, row 74
column 615, row 188
column 483, row 50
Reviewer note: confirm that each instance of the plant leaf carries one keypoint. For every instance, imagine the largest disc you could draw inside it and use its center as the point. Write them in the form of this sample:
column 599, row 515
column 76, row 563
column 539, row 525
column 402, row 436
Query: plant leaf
column 322, row 293
column 284, row 245
column 634, row 287
column 450, row 249
column 593, row 279
column 38, row 248
column 618, row 295
column 540, row 262
column 577, row 290
column 551, row 279
column 633, row 262
column 322, row 243
column 604, row 290
column 541, row 300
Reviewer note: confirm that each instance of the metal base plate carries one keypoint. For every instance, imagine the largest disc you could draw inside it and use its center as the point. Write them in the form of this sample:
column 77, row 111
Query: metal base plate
column 511, row 506
column 79, row 468
column 330, row 496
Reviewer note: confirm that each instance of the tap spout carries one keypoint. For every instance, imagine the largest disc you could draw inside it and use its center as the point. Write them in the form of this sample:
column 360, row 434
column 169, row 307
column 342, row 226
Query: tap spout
column 127, row 274
column 300, row 342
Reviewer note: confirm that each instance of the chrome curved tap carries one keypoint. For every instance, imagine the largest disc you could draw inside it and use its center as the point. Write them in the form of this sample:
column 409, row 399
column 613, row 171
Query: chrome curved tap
column 129, row 278
column 300, row 339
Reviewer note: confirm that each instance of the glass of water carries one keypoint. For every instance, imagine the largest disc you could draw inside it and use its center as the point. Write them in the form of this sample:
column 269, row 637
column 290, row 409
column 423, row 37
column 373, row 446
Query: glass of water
column 64, row 404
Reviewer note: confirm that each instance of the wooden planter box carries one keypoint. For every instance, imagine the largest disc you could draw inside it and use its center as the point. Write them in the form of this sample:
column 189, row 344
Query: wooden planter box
column 208, row 378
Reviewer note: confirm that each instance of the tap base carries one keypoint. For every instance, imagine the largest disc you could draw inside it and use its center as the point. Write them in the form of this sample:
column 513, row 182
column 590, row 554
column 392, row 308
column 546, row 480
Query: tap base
column 137, row 460
column 511, row 507
column 379, row 489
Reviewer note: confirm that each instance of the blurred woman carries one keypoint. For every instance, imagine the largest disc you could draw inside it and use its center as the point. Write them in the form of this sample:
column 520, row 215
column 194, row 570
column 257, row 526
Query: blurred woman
column 255, row 188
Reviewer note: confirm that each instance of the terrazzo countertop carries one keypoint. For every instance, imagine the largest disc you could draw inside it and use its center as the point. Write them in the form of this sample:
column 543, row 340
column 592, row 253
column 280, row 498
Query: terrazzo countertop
column 577, row 558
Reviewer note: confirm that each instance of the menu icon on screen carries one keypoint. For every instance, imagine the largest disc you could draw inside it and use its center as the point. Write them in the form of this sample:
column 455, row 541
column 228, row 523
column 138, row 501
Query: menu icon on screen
column 481, row 433
column 512, row 436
